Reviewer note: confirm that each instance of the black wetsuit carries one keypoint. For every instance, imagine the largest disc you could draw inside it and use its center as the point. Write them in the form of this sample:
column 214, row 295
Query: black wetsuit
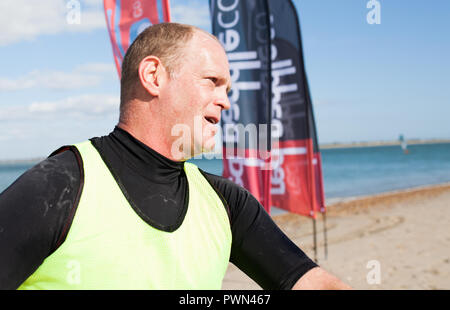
column 36, row 211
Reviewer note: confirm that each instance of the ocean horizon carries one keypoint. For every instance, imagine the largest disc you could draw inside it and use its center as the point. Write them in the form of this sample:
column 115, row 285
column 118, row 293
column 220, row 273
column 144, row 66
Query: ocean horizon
column 347, row 172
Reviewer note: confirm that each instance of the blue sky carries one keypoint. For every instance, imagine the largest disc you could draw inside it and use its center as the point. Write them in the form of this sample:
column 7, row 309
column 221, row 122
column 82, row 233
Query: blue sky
column 58, row 83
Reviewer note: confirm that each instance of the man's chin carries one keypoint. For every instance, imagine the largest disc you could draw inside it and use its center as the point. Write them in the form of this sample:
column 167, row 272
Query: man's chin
column 209, row 146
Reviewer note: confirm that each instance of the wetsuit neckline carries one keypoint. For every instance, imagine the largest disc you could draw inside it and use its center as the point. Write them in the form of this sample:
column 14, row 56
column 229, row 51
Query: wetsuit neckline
column 145, row 160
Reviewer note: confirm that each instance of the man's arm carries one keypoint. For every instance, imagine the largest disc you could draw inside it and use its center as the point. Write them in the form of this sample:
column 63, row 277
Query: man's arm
column 319, row 279
column 34, row 213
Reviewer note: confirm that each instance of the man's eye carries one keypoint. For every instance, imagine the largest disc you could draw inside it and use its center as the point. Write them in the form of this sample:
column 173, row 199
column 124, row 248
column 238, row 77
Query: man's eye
column 212, row 79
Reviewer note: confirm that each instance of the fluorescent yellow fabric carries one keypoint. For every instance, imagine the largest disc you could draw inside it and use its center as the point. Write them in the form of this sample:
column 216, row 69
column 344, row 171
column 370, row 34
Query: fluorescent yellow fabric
column 109, row 246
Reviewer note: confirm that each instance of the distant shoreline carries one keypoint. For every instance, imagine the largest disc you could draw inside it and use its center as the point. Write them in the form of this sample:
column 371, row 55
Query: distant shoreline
column 25, row 161
column 336, row 145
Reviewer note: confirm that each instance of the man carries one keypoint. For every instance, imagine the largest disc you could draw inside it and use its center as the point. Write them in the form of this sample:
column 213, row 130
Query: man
column 124, row 211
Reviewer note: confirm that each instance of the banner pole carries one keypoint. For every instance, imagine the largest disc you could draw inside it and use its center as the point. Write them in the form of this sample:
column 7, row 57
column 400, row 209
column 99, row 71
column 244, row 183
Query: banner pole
column 268, row 161
column 325, row 234
column 315, row 239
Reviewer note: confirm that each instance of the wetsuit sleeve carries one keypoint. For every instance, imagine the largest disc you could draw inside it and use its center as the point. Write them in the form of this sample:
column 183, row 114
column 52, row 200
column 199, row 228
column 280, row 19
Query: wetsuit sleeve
column 259, row 248
column 34, row 213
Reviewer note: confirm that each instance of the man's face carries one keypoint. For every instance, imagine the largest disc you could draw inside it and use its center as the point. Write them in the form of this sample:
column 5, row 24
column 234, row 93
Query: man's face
column 197, row 93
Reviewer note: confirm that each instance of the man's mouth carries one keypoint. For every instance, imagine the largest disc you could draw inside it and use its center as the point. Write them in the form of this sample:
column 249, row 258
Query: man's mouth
column 211, row 119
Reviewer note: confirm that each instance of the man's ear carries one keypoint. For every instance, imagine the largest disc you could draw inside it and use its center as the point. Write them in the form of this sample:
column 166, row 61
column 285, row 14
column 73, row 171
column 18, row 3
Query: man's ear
column 152, row 74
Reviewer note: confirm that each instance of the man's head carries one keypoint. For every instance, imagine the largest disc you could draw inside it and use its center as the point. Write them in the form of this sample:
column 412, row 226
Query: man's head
column 174, row 75
column 165, row 40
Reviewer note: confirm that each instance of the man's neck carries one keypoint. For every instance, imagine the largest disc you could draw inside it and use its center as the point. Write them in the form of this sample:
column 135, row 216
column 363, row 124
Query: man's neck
column 154, row 139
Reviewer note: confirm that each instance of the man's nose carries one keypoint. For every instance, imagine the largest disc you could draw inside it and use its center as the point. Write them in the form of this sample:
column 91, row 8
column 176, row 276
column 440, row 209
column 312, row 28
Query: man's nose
column 223, row 101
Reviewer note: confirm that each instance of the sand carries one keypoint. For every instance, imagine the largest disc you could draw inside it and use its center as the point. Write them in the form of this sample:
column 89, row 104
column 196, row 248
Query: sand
column 397, row 240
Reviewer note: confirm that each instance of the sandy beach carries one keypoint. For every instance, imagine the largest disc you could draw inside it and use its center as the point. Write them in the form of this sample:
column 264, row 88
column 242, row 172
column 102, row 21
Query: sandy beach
column 396, row 240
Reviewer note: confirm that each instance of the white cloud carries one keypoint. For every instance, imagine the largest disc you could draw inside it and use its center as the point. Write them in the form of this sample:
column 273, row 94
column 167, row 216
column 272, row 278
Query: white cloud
column 86, row 75
column 98, row 68
column 78, row 107
column 18, row 84
column 84, row 105
column 25, row 20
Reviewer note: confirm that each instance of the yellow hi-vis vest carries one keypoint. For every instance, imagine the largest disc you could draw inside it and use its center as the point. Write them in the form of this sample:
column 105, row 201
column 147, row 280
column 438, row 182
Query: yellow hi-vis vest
column 109, row 246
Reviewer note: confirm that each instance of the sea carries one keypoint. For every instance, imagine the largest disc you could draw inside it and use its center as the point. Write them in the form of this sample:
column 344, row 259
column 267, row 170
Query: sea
column 347, row 172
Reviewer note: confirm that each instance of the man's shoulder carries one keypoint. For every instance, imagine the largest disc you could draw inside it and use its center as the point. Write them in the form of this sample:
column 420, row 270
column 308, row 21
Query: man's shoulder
column 222, row 182
column 64, row 161
column 236, row 197
column 44, row 197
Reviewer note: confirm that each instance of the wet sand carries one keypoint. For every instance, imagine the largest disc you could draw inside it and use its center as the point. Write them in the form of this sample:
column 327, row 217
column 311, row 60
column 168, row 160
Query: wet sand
column 396, row 240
